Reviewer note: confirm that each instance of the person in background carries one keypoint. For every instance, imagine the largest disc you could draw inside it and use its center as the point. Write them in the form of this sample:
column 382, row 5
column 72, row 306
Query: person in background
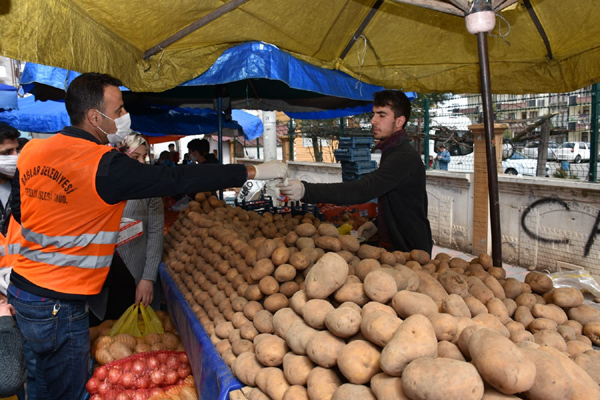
column 174, row 154
column 443, row 157
column 70, row 228
column 398, row 183
column 165, row 159
column 134, row 269
column 199, row 150
column 12, row 360
column 186, row 159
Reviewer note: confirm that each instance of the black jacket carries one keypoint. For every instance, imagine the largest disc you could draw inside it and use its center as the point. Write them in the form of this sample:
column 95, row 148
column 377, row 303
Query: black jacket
column 400, row 188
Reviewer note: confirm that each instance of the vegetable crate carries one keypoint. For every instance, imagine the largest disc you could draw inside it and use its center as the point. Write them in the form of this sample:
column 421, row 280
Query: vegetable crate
column 359, row 167
column 354, row 142
column 351, row 155
column 332, row 212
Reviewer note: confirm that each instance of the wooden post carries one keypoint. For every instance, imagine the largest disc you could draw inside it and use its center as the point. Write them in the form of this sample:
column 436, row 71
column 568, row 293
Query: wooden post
column 285, row 148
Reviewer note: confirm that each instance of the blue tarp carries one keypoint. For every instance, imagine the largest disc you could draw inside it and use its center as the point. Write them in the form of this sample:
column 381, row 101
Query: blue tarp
column 51, row 117
column 262, row 75
column 8, row 97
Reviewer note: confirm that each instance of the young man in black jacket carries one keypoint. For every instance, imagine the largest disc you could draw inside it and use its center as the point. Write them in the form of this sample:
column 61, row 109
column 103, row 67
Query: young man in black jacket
column 398, row 183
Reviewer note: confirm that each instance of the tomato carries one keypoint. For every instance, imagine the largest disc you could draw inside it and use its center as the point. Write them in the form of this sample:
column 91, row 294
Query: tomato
column 101, row 373
column 183, row 371
column 157, row 377
column 171, row 377
column 152, row 363
column 127, row 380
column 113, row 376
column 92, row 385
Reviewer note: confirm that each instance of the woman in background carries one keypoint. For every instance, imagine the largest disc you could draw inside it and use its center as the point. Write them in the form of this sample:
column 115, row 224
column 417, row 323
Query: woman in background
column 134, row 269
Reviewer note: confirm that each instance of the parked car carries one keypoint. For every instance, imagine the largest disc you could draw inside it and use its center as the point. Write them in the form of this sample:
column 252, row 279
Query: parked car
column 531, row 149
column 517, row 164
column 573, row 151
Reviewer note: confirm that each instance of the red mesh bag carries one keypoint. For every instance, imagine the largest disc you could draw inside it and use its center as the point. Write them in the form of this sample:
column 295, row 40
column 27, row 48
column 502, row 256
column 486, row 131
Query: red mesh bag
column 139, row 376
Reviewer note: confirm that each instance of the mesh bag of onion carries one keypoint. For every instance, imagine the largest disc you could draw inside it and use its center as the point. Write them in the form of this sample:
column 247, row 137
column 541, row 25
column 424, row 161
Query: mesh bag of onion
column 140, row 376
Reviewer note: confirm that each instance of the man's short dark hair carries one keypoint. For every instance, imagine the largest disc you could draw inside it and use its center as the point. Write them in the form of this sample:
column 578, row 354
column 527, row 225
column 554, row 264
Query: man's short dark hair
column 8, row 132
column 87, row 92
column 396, row 100
column 200, row 145
column 171, row 145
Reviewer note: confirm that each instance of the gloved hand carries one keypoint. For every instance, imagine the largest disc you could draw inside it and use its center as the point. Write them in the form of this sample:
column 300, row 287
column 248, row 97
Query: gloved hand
column 270, row 170
column 4, row 279
column 367, row 230
column 294, row 190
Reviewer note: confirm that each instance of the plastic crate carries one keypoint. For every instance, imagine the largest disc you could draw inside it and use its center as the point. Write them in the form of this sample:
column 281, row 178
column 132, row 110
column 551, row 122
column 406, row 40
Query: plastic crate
column 359, row 167
column 361, row 154
column 366, row 210
column 354, row 142
column 349, row 176
column 262, row 205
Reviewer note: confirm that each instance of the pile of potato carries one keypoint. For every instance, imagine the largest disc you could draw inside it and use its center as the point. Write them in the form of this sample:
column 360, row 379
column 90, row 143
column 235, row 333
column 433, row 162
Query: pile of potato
column 107, row 348
column 299, row 312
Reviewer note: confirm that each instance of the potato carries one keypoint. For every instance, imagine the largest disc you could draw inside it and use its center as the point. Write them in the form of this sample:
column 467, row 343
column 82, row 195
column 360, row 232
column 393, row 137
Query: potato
column 295, row 392
column 444, row 325
column 288, row 289
column 409, row 275
column 542, row 324
column 584, row 314
column 550, row 311
column 539, row 283
column 492, row 322
column 441, row 379
column 276, row 302
column 298, row 335
column 245, row 367
column 497, row 308
column 475, row 306
column 328, row 243
column 242, row 346
column 455, row 305
column 431, row 287
column 263, row 321
column 379, row 327
column 343, row 321
column 271, row 350
column 268, row 285
column 283, row 319
column 575, row 347
column 365, row 266
column 523, row 315
column 266, row 249
column 348, row 391
column 500, row 362
column 380, row 286
column 314, row 312
column 358, row 361
column 454, row 283
column 414, row 338
column 262, row 268
column 300, row 261
column 512, row 288
column 326, row 276
column 387, row 387
column 323, row 349
column 349, row 243
column 305, row 243
column 296, row 368
column 479, row 290
column 449, row 350
column 322, row 383
column 407, row 303
column 420, row 256
column 368, row 251
column 495, row 286
column 567, row 297
column 352, row 292
column 280, row 256
column 584, row 385
column 550, row 338
column 590, row 362
column 592, row 331
column 274, row 383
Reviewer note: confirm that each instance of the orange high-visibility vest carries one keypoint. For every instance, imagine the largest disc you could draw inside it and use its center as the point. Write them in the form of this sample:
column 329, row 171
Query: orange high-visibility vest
column 69, row 232
column 11, row 244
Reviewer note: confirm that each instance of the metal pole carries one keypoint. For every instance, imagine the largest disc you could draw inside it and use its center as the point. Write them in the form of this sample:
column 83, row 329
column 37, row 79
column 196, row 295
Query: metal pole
column 593, row 175
column 488, row 123
column 291, row 135
column 426, row 128
column 220, row 135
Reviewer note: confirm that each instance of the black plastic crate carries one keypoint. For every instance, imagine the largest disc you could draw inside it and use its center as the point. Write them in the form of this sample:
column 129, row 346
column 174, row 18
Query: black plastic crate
column 359, row 167
column 360, row 154
column 355, row 142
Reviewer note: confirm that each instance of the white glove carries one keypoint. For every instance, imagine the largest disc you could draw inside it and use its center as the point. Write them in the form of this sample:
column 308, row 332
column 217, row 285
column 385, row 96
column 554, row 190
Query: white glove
column 367, row 230
column 294, row 190
column 270, row 170
column 4, row 279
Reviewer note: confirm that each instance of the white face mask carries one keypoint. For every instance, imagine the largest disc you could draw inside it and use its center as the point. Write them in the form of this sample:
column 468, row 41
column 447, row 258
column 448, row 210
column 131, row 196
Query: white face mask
column 123, row 124
column 8, row 165
column 193, row 158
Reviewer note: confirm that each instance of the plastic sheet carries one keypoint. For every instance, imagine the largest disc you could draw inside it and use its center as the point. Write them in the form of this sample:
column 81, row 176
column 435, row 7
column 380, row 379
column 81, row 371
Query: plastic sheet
column 581, row 280
column 213, row 377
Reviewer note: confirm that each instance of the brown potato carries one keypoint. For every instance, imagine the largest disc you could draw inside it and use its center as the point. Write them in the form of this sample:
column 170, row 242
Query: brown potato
column 296, row 368
column 326, row 276
column 540, row 283
column 314, row 312
column 379, row 327
column 358, row 361
column 380, row 286
column 551, row 380
column 271, row 350
column 343, row 321
column 408, row 303
column 323, row 348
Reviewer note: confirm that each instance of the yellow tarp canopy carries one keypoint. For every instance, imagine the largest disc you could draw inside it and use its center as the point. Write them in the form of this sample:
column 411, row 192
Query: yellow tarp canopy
column 402, row 46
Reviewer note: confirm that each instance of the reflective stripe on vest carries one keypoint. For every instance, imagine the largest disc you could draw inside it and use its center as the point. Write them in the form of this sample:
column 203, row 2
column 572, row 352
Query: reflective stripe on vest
column 13, row 248
column 102, row 237
column 66, row 260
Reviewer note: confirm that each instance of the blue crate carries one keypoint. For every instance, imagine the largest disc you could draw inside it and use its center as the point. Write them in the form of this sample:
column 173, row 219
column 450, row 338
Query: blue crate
column 349, row 176
column 361, row 154
column 355, row 142
column 359, row 167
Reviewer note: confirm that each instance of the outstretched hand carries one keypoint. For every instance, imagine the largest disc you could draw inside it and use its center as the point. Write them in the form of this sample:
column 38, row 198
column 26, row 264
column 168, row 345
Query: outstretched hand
column 294, row 190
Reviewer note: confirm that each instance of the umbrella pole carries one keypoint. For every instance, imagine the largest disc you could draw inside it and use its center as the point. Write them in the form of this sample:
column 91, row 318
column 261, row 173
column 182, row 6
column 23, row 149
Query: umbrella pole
column 488, row 123
column 220, row 135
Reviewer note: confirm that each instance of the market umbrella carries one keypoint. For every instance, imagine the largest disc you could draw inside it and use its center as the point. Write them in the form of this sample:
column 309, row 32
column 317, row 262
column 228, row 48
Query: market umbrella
column 8, row 97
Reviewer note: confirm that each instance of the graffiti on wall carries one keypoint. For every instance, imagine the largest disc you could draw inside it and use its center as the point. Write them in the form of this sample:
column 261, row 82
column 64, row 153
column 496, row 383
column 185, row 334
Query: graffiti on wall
column 556, row 201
